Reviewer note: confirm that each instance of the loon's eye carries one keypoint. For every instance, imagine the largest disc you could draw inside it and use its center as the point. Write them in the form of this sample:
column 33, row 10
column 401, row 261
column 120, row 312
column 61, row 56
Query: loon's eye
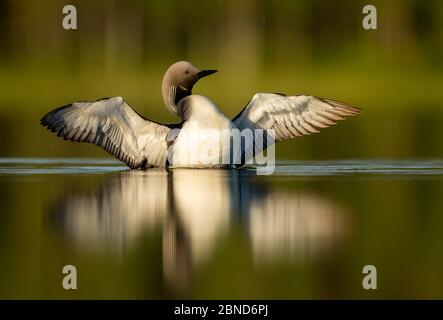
column 187, row 72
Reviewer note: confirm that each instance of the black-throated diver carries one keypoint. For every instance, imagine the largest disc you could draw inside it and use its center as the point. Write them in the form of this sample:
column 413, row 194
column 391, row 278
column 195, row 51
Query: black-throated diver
column 113, row 125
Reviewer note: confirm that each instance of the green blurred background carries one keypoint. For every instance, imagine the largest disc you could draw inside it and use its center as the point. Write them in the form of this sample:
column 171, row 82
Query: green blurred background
column 122, row 48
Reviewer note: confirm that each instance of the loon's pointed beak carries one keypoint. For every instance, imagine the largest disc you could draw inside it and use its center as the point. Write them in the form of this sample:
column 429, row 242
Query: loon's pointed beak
column 205, row 73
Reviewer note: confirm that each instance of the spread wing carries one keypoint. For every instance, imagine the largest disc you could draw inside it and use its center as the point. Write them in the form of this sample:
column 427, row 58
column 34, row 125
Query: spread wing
column 113, row 125
column 290, row 116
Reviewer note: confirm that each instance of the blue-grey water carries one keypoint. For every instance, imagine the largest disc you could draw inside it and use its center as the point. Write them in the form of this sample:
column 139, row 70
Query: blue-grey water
column 306, row 231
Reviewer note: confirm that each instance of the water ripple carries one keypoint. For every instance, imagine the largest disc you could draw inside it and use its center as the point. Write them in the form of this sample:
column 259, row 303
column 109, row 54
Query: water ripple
column 354, row 167
column 39, row 166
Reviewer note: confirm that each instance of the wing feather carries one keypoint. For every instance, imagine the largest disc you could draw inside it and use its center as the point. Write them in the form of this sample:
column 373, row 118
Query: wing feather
column 291, row 116
column 113, row 125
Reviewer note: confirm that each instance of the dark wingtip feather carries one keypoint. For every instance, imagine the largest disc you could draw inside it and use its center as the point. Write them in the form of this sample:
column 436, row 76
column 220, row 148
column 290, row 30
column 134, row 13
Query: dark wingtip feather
column 45, row 121
column 338, row 104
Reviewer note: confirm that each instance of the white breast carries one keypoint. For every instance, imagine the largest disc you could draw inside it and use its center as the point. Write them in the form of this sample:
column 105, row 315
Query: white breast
column 204, row 140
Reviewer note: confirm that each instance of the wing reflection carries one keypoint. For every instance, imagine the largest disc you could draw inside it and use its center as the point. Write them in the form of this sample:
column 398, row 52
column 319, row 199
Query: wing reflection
column 194, row 210
column 293, row 225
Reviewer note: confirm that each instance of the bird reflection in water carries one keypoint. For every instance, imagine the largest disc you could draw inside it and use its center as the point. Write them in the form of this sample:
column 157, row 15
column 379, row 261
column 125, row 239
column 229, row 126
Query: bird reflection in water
column 194, row 209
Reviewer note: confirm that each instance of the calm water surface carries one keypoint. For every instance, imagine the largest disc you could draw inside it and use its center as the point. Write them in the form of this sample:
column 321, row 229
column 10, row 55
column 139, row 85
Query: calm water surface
column 304, row 232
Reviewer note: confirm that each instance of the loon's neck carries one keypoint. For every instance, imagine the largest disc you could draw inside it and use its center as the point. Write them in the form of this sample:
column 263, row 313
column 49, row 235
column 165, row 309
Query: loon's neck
column 172, row 94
